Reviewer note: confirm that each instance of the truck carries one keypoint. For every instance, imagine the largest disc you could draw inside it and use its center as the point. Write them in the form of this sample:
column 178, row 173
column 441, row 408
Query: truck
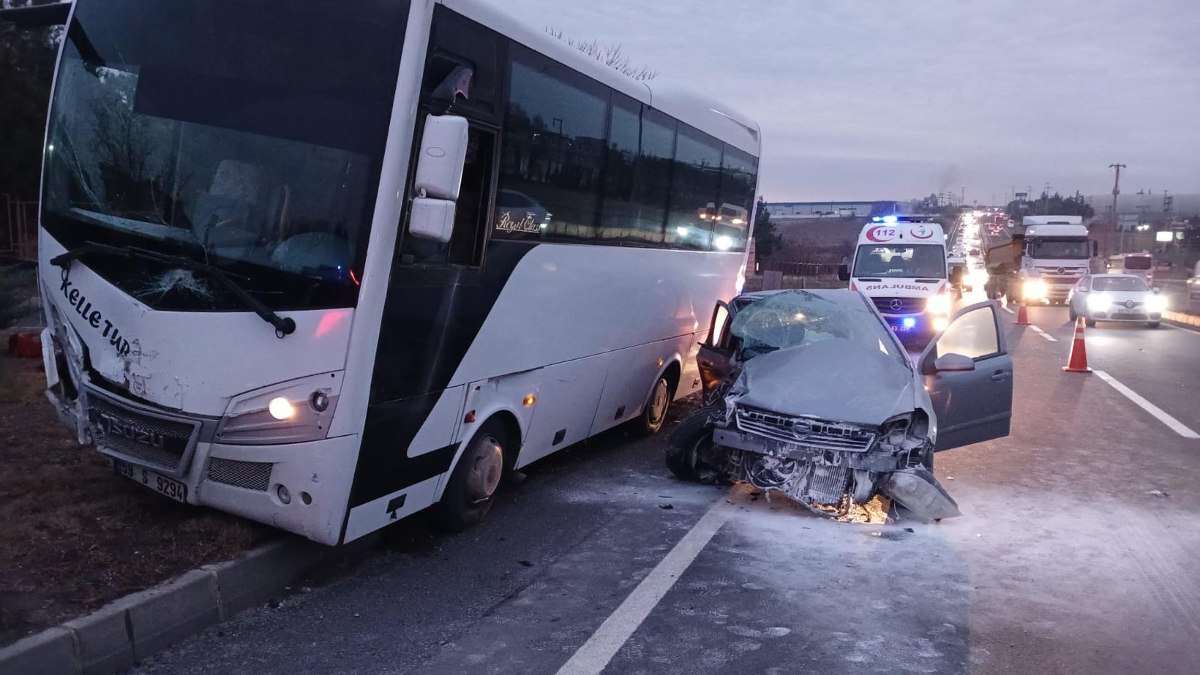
column 900, row 265
column 1046, row 256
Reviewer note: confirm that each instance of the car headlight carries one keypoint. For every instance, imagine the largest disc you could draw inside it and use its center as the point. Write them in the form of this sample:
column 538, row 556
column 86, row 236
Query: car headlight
column 1034, row 289
column 979, row 277
column 288, row 412
column 1099, row 302
column 938, row 304
column 1157, row 304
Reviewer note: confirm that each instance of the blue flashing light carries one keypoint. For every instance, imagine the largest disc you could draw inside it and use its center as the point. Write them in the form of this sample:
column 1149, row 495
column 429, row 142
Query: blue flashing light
column 909, row 322
column 876, row 219
column 890, row 219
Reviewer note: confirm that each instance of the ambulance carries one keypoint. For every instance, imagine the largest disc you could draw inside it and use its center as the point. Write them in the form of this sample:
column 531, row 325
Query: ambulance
column 900, row 265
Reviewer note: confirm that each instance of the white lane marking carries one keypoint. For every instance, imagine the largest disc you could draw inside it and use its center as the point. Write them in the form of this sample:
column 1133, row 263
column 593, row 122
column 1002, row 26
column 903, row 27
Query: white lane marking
column 1172, row 423
column 1044, row 334
column 1007, row 309
column 603, row 645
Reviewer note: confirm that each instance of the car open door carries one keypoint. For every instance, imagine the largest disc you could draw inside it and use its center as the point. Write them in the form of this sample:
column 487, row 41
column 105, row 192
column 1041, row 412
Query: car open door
column 969, row 375
column 713, row 358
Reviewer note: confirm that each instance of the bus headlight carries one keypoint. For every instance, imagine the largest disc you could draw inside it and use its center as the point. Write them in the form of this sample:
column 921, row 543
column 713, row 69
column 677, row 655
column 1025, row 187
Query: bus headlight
column 289, row 412
column 1099, row 302
column 938, row 304
column 1157, row 304
column 1034, row 289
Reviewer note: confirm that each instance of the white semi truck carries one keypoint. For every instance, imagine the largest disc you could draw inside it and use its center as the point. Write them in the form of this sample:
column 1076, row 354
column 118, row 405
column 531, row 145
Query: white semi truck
column 1046, row 256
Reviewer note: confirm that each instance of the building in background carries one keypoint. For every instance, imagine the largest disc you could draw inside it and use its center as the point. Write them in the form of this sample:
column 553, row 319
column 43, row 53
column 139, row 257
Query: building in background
column 832, row 209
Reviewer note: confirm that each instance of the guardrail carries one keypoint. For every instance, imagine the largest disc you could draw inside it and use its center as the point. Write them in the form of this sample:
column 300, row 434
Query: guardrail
column 802, row 269
column 18, row 228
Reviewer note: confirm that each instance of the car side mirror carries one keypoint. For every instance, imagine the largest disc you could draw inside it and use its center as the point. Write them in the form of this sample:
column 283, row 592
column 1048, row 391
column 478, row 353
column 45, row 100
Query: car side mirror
column 439, row 177
column 953, row 363
column 843, row 273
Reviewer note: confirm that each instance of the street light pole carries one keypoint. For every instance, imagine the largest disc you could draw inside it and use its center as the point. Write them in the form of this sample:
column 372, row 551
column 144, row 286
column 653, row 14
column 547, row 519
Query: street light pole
column 1117, row 191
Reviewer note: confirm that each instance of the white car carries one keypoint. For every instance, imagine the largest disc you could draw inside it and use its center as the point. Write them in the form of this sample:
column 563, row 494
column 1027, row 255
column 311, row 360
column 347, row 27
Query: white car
column 1116, row 297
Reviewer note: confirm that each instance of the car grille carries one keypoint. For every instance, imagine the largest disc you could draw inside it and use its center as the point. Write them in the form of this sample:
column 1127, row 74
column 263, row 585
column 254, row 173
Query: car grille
column 899, row 305
column 804, row 430
column 147, row 439
column 248, row 475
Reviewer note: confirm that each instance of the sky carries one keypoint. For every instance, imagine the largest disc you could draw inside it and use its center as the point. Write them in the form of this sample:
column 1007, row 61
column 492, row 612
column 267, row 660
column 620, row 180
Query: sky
column 894, row 99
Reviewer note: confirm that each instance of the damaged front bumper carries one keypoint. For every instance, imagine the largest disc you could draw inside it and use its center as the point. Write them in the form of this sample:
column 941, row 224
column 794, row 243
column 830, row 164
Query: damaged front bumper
column 889, row 462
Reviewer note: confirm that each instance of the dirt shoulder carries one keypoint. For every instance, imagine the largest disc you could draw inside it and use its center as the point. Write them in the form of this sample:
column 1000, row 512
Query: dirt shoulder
column 73, row 535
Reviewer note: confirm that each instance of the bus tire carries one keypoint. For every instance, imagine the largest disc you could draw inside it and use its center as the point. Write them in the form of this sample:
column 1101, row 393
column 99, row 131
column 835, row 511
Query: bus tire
column 472, row 487
column 654, row 412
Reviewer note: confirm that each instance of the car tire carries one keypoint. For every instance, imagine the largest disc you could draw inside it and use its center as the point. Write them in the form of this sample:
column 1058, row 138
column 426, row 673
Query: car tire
column 1071, row 313
column 658, row 404
column 683, row 448
column 1153, row 324
column 472, row 487
column 1090, row 323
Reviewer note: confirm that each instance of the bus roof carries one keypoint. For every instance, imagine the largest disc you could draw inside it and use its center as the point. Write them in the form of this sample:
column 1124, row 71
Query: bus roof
column 710, row 116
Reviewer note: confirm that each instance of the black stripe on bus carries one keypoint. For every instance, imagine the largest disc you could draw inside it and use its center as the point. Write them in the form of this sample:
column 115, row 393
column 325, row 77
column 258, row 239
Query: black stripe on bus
column 431, row 317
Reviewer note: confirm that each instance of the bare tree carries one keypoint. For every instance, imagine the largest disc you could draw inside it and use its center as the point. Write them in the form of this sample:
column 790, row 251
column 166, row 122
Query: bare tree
column 610, row 55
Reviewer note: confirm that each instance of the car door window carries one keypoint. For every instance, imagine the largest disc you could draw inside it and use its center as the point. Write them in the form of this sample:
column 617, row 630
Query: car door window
column 717, row 328
column 973, row 334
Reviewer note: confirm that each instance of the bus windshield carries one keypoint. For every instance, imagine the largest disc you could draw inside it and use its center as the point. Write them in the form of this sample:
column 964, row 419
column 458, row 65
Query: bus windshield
column 901, row 261
column 245, row 133
column 1061, row 249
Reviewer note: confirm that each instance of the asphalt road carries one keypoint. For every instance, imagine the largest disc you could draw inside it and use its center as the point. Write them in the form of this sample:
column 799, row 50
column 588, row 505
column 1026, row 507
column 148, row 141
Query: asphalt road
column 1075, row 554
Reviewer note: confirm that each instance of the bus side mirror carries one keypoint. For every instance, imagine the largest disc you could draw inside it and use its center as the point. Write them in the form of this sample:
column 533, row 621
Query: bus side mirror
column 439, row 177
column 843, row 273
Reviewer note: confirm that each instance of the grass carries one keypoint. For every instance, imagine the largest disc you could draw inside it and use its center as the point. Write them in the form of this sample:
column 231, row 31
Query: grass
column 73, row 535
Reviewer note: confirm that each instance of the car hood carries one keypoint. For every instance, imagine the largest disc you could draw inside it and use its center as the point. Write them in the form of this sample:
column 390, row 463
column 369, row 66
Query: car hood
column 837, row 380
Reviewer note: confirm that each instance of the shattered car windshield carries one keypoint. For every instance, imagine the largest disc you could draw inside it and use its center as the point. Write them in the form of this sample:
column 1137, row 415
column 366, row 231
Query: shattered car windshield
column 799, row 319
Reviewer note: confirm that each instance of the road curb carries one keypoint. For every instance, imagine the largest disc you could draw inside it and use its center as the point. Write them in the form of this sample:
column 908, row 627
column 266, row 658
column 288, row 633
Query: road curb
column 127, row 630
column 1181, row 318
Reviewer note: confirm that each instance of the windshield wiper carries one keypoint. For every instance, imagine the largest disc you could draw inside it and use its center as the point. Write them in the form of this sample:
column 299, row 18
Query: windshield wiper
column 283, row 325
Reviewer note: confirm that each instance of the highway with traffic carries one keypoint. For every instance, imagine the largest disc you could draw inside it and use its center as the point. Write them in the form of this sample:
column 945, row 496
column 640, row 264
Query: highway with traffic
column 1075, row 553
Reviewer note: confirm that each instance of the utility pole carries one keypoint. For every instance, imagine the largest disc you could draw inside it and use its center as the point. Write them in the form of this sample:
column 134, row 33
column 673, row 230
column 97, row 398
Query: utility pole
column 1046, row 199
column 1117, row 191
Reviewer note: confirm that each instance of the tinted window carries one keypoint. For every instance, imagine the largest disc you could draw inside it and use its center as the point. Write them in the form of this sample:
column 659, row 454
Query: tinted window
column 738, row 172
column 973, row 335
column 636, row 181
column 1138, row 262
column 553, row 152
column 695, row 190
column 1119, row 284
column 459, row 42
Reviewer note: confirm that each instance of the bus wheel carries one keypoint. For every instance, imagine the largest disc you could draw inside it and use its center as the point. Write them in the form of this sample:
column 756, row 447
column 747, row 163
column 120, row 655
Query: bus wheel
column 654, row 413
column 472, row 486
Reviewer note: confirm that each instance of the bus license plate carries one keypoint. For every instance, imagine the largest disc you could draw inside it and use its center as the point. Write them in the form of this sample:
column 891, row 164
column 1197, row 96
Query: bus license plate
column 167, row 487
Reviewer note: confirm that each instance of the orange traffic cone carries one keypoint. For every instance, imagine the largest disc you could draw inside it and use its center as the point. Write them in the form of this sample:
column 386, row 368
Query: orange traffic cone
column 1022, row 315
column 1077, row 361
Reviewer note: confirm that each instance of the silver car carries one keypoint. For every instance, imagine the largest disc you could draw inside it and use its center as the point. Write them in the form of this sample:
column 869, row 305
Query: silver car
column 810, row 393
column 1116, row 297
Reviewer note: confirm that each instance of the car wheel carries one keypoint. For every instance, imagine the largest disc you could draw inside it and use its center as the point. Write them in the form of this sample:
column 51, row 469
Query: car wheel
column 472, row 487
column 654, row 412
column 1090, row 323
column 687, row 441
column 1152, row 324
